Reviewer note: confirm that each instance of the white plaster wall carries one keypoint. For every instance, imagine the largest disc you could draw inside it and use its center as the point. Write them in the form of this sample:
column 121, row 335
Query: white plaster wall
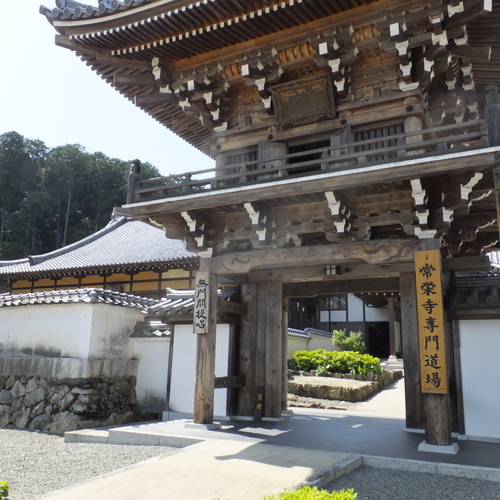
column 321, row 342
column 68, row 330
column 479, row 348
column 54, row 330
column 184, row 369
column 376, row 314
column 296, row 344
column 152, row 372
column 354, row 308
column 111, row 328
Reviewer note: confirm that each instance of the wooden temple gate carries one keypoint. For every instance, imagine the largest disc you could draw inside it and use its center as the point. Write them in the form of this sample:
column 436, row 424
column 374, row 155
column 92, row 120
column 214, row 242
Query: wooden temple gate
column 347, row 137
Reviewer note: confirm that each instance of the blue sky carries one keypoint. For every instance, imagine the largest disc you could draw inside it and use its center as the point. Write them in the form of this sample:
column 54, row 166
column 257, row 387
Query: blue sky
column 49, row 94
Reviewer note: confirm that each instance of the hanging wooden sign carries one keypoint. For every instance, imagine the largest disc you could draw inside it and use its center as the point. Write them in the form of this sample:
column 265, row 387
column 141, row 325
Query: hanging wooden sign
column 201, row 301
column 430, row 321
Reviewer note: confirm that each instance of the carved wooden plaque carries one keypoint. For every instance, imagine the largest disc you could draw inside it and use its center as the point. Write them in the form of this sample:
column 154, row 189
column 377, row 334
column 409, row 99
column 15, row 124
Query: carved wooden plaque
column 303, row 101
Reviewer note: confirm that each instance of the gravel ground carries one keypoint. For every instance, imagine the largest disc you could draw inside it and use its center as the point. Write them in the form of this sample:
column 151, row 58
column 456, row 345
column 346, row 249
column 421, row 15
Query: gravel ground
column 35, row 463
column 372, row 483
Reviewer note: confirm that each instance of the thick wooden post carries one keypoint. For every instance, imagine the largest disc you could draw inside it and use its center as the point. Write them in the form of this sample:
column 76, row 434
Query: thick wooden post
column 284, row 342
column 206, row 312
column 269, row 357
column 436, row 398
column 248, row 349
column 392, row 329
column 409, row 331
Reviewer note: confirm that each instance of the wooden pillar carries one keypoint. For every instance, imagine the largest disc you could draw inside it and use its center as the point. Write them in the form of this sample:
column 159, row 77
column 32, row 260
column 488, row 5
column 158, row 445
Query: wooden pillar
column 284, row 349
column 392, row 330
column 269, row 356
column 205, row 324
column 413, row 124
column 409, row 331
column 248, row 349
column 437, row 422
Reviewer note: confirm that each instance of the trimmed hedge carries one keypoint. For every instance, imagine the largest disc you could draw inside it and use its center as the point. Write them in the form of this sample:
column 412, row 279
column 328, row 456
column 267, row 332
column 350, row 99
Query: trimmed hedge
column 325, row 362
column 313, row 493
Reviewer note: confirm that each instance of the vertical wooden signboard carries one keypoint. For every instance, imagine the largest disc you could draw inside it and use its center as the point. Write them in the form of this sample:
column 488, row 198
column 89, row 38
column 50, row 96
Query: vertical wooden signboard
column 201, row 299
column 430, row 321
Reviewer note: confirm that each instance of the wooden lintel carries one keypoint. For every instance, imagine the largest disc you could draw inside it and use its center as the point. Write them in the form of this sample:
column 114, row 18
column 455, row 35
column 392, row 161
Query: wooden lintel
column 228, row 307
column 371, row 252
column 313, row 289
column 476, row 264
column 234, row 381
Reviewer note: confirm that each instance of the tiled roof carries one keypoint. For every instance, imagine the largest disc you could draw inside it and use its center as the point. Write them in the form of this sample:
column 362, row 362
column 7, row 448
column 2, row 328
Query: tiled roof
column 79, row 296
column 123, row 244
column 482, row 290
column 293, row 332
column 69, row 9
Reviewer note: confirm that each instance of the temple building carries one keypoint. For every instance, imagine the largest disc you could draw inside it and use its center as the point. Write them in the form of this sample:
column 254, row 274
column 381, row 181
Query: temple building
column 356, row 149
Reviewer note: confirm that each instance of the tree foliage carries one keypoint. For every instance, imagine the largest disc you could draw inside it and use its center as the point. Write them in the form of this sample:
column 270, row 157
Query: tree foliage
column 52, row 197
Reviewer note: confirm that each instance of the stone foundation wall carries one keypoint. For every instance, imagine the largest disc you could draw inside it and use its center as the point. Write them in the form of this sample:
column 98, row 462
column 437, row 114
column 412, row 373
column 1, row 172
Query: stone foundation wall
column 375, row 383
column 59, row 405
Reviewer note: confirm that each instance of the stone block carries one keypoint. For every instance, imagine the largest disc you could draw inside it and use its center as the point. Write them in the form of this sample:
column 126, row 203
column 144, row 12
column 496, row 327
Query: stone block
column 64, row 421
column 4, row 414
column 18, row 390
column 34, row 397
column 32, row 384
column 5, row 397
column 23, row 418
column 59, row 394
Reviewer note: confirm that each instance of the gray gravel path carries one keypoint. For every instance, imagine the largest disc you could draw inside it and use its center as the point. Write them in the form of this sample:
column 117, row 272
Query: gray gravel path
column 372, row 483
column 36, row 463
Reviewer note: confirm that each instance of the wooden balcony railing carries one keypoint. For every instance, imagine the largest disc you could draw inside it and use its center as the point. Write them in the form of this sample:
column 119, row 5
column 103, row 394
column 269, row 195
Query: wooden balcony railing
column 382, row 146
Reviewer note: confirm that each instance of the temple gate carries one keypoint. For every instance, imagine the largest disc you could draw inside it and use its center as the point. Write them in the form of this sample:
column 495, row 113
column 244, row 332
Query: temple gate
column 347, row 136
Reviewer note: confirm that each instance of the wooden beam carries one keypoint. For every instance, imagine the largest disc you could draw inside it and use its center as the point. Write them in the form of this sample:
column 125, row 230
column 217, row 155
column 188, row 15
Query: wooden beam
column 316, row 288
column 371, row 252
column 228, row 307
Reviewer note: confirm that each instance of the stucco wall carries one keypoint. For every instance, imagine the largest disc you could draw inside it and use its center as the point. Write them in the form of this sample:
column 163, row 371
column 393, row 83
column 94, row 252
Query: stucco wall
column 184, row 372
column 479, row 348
column 152, row 372
column 86, row 331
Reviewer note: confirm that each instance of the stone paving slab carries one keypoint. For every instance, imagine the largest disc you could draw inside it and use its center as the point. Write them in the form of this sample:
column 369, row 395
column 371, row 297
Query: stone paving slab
column 215, row 469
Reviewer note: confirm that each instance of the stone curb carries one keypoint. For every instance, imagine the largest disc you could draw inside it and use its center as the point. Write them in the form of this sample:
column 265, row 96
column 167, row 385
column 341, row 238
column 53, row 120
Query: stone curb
column 468, row 471
column 339, row 469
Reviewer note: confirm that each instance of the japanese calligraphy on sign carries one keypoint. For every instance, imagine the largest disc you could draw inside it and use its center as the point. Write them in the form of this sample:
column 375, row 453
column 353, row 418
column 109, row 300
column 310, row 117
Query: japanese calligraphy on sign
column 201, row 297
column 430, row 321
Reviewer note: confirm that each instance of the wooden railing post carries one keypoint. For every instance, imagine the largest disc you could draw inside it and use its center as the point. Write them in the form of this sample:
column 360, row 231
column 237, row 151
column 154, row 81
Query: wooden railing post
column 134, row 178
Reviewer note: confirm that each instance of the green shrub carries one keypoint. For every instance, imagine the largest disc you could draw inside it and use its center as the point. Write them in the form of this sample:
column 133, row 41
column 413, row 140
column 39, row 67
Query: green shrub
column 4, row 489
column 312, row 493
column 325, row 362
column 351, row 342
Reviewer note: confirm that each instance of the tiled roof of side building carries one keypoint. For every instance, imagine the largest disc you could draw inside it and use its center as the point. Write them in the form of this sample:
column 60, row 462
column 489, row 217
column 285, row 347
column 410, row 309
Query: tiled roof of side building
column 80, row 296
column 122, row 244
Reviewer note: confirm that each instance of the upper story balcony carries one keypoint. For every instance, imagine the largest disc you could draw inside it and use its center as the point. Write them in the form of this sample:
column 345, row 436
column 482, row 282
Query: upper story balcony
column 358, row 151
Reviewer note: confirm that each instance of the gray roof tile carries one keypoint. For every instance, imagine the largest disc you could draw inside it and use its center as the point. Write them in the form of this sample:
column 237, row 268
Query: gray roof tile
column 123, row 243
column 79, row 296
